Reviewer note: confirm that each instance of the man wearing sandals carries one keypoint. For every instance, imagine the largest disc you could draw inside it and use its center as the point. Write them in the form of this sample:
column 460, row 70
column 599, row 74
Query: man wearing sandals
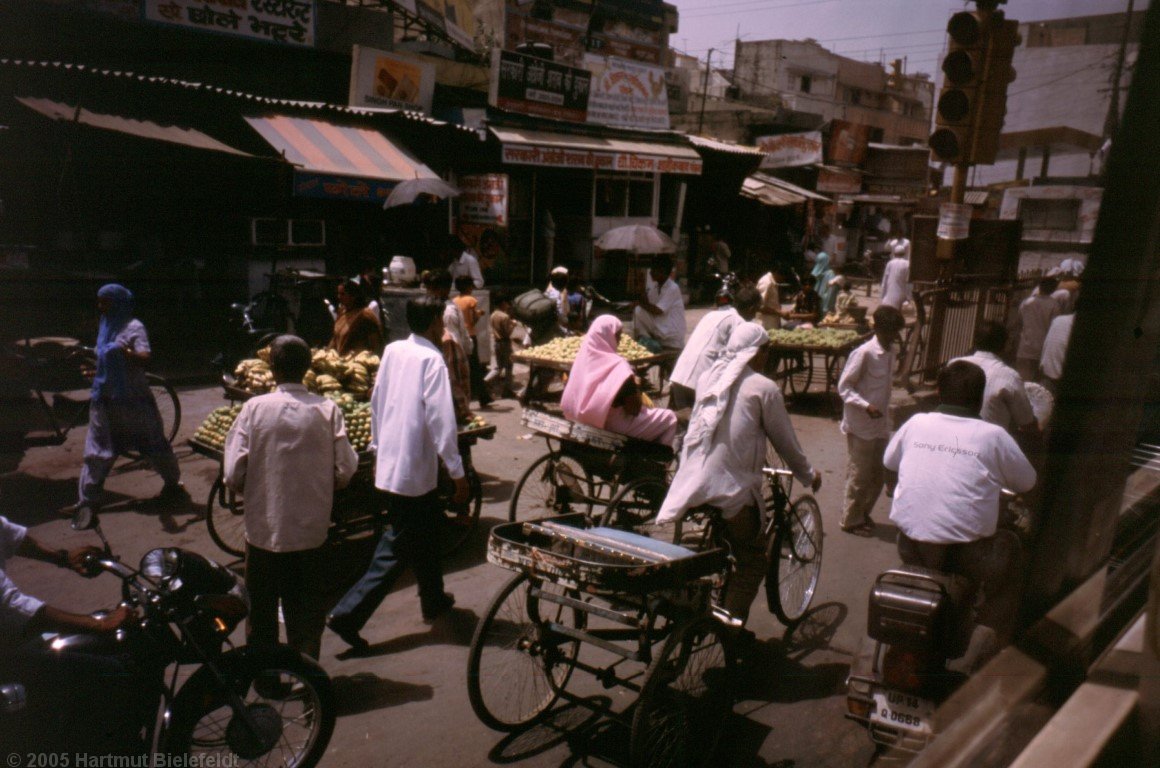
column 738, row 413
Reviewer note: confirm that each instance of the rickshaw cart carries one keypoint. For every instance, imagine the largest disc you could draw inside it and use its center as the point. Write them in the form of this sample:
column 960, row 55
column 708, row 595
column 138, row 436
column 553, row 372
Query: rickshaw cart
column 635, row 600
column 795, row 366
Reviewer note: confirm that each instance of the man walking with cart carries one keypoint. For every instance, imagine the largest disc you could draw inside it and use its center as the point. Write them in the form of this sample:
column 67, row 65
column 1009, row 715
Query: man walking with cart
column 414, row 429
column 738, row 412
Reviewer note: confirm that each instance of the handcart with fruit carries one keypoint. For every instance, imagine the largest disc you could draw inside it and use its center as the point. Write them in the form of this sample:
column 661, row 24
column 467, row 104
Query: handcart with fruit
column 629, row 610
column 586, row 468
column 547, row 361
column 358, row 508
column 799, row 354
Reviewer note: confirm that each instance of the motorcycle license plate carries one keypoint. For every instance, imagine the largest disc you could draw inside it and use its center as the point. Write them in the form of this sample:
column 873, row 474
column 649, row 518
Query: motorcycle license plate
column 901, row 710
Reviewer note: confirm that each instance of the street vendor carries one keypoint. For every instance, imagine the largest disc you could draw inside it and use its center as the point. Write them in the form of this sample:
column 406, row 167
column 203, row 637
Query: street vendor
column 660, row 313
column 706, row 342
column 807, row 305
column 603, row 391
column 357, row 328
column 739, row 411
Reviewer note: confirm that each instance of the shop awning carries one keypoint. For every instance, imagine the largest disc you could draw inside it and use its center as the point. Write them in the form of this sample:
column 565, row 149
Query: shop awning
column 562, row 150
column 144, row 129
column 772, row 191
column 339, row 161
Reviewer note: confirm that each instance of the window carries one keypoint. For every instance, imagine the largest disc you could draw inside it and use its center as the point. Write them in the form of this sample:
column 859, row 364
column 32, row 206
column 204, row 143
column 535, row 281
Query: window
column 640, row 198
column 805, row 83
column 620, row 196
column 611, row 197
column 853, row 96
column 1058, row 215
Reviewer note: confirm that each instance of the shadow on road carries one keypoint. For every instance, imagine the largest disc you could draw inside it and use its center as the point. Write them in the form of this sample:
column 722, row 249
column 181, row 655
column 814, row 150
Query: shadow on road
column 366, row 692
column 455, row 628
column 571, row 724
column 774, row 672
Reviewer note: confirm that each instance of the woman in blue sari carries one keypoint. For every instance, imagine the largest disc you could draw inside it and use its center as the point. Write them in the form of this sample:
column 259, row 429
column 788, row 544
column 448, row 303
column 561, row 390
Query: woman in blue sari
column 826, row 292
column 123, row 415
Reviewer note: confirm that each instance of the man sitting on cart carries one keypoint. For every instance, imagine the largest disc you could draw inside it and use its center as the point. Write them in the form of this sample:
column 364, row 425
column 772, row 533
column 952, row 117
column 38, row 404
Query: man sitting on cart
column 660, row 313
column 603, row 390
column 738, row 410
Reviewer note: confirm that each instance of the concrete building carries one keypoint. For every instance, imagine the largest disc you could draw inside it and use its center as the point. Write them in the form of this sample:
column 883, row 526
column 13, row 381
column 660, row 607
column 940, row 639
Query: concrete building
column 801, row 76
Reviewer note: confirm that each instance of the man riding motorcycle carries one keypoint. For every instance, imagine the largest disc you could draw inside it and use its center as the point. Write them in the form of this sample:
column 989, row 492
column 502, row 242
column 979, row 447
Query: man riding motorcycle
column 951, row 470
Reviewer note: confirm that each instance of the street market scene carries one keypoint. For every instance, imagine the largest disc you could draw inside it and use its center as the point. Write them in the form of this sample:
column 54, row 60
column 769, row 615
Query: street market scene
column 618, row 383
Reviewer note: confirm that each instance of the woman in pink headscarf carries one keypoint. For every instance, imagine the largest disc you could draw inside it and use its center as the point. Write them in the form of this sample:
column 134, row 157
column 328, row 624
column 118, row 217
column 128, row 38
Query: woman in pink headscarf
column 602, row 390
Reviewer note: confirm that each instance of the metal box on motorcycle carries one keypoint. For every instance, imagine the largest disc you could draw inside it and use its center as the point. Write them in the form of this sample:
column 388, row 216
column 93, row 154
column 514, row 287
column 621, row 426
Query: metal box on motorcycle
column 919, row 608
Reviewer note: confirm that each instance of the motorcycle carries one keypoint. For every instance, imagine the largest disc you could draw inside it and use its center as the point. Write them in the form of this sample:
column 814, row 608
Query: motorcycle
column 730, row 282
column 202, row 698
column 923, row 641
column 252, row 325
column 596, row 304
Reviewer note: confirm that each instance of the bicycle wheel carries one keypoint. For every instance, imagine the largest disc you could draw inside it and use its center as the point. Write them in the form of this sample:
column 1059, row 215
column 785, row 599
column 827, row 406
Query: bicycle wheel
column 685, row 700
column 795, row 561
column 553, row 485
column 637, row 503
column 802, row 376
column 457, row 530
column 517, row 666
column 225, row 519
column 168, row 408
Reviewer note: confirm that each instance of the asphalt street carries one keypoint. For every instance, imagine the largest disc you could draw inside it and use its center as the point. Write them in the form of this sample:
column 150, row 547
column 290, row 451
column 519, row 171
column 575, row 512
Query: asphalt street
column 406, row 704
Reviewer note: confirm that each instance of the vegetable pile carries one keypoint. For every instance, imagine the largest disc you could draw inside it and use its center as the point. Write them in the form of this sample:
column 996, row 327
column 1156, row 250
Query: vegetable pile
column 564, row 350
column 329, row 372
column 831, row 338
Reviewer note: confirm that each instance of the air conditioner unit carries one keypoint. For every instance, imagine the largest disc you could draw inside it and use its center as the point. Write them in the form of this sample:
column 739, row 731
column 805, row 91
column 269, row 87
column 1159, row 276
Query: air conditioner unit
column 307, row 232
column 268, row 231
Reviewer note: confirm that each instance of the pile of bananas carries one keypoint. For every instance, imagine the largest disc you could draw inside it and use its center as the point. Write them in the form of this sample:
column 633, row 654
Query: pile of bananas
column 329, row 372
column 564, row 350
column 830, row 338
column 216, row 426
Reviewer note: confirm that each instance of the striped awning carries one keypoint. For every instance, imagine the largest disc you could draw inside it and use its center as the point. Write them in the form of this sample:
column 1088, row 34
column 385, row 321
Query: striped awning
column 324, row 148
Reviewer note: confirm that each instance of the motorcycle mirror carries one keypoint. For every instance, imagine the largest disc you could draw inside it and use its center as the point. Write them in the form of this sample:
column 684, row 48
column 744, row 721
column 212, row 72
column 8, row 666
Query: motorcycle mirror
column 85, row 518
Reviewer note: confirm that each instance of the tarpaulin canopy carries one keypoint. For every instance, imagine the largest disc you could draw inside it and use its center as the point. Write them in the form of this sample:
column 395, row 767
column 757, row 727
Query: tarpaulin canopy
column 772, row 191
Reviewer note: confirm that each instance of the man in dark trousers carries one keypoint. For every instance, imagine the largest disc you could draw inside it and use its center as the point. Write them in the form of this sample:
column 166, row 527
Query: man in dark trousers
column 414, row 429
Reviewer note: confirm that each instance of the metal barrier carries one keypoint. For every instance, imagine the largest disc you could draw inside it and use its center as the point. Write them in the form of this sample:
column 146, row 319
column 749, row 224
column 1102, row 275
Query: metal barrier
column 947, row 320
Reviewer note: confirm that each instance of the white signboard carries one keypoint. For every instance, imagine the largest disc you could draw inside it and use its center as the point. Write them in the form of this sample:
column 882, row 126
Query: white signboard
column 627, row 94
column 278, row 21
column 483, row 199
column 790, row 150
column 390, row 81
column 954, row 221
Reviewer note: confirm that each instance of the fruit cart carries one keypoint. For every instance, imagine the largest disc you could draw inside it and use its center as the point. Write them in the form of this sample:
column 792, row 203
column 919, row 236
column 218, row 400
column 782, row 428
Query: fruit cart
column 630, row 611
column 358, row 508
column 801, row 355
column 547, row 361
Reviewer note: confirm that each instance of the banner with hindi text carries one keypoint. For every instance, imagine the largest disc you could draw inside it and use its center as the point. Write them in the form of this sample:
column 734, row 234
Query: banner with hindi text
column 288, row 22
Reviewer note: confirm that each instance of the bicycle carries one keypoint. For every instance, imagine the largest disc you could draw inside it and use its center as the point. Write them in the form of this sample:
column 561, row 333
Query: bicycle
column 792, row 531
column 58, row 368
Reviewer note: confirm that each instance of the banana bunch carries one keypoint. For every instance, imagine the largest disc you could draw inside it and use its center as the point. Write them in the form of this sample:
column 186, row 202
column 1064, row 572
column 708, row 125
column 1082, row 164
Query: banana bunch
column 564, row 350
column 217, row 425
column 254, row 375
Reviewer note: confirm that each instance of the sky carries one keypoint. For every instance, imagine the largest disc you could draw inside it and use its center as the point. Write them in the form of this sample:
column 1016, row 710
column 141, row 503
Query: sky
column 860, row 29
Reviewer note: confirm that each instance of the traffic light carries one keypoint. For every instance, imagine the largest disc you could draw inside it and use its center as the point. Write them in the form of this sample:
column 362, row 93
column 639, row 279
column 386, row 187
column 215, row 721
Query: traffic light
column 971, row 105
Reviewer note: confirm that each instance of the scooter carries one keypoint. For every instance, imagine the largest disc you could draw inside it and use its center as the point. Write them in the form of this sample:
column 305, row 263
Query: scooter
column 923, row 641
column 201, row 698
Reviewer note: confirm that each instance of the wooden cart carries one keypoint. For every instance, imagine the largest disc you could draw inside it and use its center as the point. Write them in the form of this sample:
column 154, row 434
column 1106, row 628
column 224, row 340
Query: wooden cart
column 654, row 369
column 796, row 366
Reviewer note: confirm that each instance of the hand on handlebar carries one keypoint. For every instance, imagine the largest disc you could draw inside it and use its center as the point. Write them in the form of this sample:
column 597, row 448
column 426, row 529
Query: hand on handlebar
column 115, row 619
column 817, row 482
column 83, row 560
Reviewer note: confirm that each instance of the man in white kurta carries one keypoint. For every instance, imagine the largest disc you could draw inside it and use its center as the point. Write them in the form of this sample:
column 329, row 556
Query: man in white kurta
column 1054, row 353
column 414, row 430
column 1005, row 402
column 739, row 411
column 952, row 467
column 466, row 265
column 865, row 387
column 1035, row 316
column 660, row 314
column 286, row 453
column 770, row 300
column 896, row 289
column 705, row 344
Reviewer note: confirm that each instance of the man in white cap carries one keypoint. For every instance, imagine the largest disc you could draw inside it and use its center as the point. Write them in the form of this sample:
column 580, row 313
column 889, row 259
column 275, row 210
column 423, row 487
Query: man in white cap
column 557, row 292
column 896, row 289
column 739, row 411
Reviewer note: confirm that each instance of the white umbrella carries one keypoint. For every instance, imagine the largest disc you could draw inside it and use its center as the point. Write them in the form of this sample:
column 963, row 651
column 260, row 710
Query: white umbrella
column 406, row 192
column 636, row 238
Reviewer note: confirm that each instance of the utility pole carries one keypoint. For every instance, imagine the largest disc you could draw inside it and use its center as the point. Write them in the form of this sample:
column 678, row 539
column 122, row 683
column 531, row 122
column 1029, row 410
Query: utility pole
column 1112, row 121
column 704, row 92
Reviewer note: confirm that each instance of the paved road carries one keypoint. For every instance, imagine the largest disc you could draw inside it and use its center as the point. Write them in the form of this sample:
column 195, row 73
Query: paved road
column 406, row 704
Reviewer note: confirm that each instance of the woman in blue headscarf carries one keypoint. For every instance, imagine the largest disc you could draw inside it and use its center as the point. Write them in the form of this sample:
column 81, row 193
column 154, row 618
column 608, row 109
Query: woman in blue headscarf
column 123, row 414
column 826, row 292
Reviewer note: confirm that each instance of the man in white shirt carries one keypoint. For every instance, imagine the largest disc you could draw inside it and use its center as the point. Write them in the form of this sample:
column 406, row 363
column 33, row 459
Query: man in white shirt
column 770, row 300
column 896, row 288
column 1005, row 402
column 1055, row 351
column 739, row 412
column 660, row 313
column 557, row 291
column 466, row 264
column 414, row 429
column 951, row 467
column 705, row 344
column 1034, row 318
column 286, row 453
column 865, row 387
